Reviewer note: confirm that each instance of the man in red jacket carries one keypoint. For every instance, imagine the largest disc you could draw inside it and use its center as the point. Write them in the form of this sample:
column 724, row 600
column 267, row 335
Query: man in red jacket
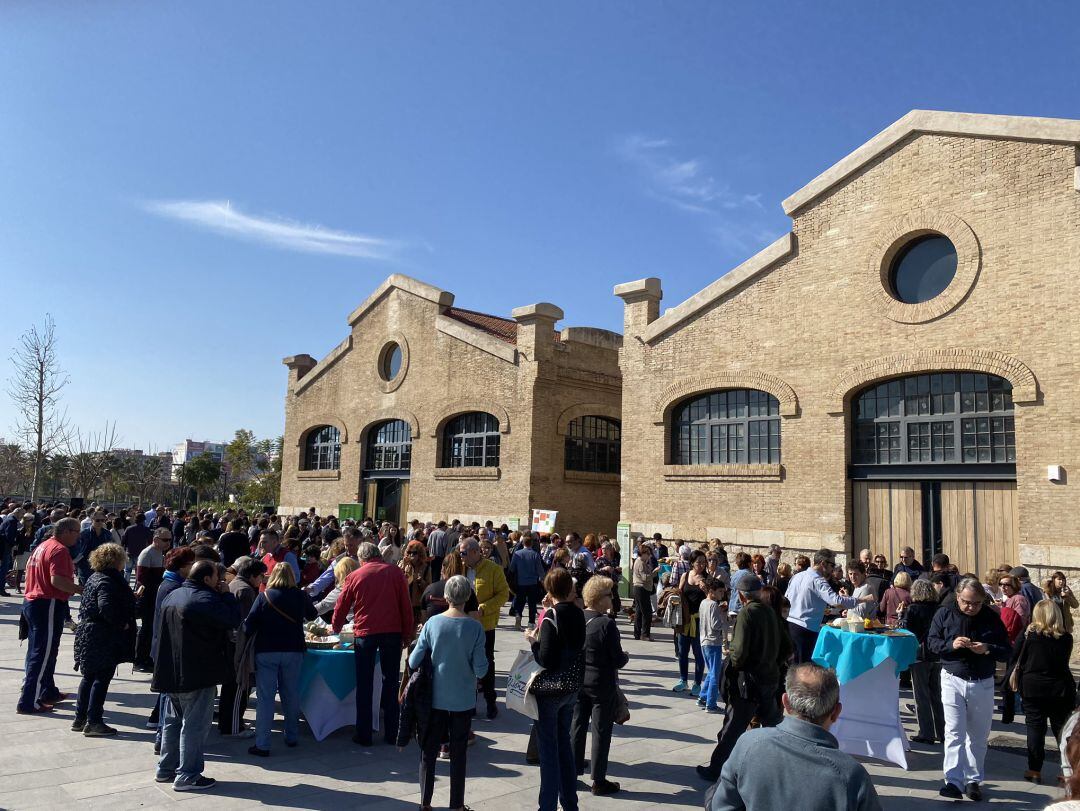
column 377, row 594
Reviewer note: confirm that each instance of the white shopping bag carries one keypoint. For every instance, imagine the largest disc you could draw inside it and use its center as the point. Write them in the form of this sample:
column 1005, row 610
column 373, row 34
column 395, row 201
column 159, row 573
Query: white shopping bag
column 518, row 682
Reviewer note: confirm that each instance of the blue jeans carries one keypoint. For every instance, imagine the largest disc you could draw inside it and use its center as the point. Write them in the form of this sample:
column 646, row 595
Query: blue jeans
column 277, row 672
column 710, row 688
column 558, row 775
column 185, row 724
column 387, row 647
column 684, row 644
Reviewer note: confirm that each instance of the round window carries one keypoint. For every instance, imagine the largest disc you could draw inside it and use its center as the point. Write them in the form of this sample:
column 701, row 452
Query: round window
column 391, row 361
column 923, row 269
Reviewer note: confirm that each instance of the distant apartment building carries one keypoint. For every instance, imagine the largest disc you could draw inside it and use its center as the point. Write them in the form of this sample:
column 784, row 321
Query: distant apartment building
column 189, row 449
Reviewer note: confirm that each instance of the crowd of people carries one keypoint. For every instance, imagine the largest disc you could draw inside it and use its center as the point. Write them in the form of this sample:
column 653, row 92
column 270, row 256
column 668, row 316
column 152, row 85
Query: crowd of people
column 213, row 605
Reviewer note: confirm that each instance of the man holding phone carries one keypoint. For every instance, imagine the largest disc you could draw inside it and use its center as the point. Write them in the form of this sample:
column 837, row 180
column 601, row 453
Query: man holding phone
column 970, row 638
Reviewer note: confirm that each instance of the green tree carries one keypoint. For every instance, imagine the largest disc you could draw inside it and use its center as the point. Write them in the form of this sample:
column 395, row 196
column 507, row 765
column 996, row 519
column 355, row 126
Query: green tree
column 242, row 455
column 202, row 473
column 265, row 487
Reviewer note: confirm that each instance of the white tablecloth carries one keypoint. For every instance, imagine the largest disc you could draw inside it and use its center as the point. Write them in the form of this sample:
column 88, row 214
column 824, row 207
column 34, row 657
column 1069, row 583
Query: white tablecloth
column 325, row 712
column 869, row 724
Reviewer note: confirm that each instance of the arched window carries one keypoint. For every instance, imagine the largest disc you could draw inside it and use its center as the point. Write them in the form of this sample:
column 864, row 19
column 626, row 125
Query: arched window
column 593, row 444
column 390, row 446
column 947, row 418
column 322, row 448
column 736, row 426
column 471, row 440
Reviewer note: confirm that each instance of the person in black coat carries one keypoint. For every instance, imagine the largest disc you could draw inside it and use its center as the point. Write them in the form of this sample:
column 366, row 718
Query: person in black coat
column 194, row 644
column 926, row 669
column 1046, row 683
column 598, row 698
column 104, row 638
column 969, row 638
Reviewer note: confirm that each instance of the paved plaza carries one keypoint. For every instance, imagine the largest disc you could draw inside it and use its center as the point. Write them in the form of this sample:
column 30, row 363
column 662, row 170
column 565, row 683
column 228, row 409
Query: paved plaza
column 44, row 765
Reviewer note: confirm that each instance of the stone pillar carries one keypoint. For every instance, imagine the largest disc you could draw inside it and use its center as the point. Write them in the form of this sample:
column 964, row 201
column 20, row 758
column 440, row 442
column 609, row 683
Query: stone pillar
column 641, row 301
column 299, row 365
column 536, row 330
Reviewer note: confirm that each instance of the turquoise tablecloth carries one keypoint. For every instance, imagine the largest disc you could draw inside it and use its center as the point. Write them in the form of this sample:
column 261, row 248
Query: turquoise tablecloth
column 337, row 667
column 851, row 655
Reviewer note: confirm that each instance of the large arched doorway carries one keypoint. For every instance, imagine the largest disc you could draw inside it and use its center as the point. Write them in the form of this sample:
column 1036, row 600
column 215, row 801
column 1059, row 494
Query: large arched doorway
column 387, row 467
column 933, row 467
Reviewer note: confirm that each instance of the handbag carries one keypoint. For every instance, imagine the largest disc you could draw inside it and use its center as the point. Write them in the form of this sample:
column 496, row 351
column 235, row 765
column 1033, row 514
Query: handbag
column 673, row 613
column 622, row 707
column 564, row 681
column 518, row 683
column 1017, row 672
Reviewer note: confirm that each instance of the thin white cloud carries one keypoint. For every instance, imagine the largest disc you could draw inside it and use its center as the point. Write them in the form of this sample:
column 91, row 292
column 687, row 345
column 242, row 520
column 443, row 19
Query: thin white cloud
column 223, row 218
column 685, row 183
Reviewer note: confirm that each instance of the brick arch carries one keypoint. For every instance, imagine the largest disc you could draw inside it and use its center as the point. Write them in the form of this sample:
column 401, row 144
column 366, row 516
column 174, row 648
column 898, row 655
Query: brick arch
column 586, row 410
column 1024, row 385
column 451, row 410
column 319, row 422
column 789, row 403
column 390, row 414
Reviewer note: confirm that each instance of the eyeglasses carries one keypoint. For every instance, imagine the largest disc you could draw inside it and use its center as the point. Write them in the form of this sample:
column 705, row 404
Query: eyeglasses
column 969, row 603
column 1006, row 585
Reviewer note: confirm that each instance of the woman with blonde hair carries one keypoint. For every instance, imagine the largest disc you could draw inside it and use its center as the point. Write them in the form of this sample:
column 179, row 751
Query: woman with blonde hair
column 896, row 598
column 1045, row 682
column 277, row 621
column 342, row 569
column 104, row 638
column 417, row 567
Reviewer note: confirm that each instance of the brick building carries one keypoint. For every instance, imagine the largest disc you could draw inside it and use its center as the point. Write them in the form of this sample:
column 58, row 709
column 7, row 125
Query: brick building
column 899, row 369
column 430, row 411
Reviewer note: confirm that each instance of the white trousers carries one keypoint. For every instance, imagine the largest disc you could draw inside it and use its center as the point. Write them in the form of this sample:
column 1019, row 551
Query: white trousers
column 969, row 710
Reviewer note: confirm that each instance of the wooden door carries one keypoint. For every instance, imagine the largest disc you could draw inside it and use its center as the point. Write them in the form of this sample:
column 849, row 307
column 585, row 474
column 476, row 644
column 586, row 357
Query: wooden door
column 979, row 524
column 886, row 517
column 371, row 497
column 403, row 514
column 958, row 539
column 997, row 525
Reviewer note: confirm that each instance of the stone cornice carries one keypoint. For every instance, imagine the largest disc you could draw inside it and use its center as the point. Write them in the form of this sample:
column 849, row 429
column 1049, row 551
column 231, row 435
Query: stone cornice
column 756, row 264
column 935, row 122
column 477, row 338
column 408, row 284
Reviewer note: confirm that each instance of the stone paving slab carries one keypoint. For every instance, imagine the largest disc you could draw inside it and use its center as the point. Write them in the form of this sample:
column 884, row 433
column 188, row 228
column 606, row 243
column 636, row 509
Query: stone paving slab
column 43, row 765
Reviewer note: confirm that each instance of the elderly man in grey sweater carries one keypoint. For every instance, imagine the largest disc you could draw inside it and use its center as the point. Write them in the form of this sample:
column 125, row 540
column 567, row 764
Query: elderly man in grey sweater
column 816, row 775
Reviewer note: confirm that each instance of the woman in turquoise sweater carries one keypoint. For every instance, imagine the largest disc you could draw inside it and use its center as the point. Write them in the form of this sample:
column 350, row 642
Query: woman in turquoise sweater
column 455, row 642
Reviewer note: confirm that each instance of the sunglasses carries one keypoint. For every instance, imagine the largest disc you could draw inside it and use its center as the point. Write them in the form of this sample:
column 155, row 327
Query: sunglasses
column 415, row 553
column 1005, row 585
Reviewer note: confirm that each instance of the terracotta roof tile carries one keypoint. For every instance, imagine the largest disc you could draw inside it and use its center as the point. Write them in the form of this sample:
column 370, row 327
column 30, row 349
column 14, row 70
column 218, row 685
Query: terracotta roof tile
column 505, row 329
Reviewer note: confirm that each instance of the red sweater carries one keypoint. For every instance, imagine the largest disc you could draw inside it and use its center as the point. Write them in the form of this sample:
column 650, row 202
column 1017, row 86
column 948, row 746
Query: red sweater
column 378, row 595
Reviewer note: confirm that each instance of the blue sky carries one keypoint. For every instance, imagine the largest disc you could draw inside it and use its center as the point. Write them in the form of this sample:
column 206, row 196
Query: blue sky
column 195, row 190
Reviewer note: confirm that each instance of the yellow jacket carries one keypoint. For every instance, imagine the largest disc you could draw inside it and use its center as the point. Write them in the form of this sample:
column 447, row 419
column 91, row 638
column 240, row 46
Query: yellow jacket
column 492, row 592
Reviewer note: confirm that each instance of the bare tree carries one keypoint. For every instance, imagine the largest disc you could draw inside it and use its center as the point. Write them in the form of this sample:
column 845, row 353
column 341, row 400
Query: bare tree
column 143, row 474
column 35, row 388
column 90, row 459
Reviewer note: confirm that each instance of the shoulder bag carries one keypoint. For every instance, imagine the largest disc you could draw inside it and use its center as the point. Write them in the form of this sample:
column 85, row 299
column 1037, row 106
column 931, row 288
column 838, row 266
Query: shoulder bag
column 1017, row 672
column 564, row 681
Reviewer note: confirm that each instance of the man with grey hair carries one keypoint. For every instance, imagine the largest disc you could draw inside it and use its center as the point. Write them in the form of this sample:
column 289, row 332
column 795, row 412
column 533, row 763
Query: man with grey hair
column 816, row 775
column 970, row 639
column 810, row 594
column 377, row 595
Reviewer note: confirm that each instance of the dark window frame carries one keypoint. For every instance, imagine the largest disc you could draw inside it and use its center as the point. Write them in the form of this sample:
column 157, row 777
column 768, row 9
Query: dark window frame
column 389, row 446
column 322, row 448
column 935, row 418
column 593, row 445
column 471, row 439
column 726, row 426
